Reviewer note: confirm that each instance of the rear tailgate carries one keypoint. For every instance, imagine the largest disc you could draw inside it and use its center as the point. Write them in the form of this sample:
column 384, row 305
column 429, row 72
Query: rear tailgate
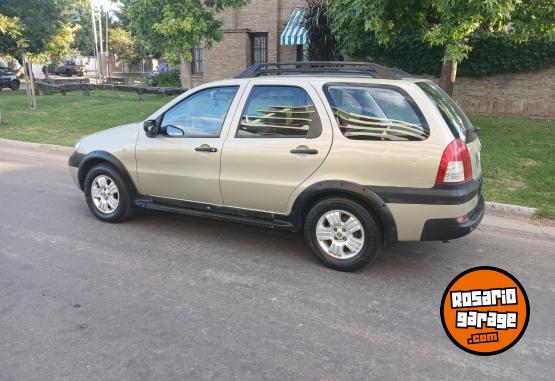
column 458, row 123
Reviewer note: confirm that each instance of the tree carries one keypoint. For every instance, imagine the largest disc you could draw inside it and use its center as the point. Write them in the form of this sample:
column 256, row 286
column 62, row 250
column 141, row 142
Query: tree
column 44, row 28
column 84, row 38
column 121, row 42
column 174, row 27
column 10, row 26
column 445, row 23
column 322, row 45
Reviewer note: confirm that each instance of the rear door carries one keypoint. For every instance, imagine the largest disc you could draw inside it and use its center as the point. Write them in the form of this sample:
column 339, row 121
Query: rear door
column 279, row 137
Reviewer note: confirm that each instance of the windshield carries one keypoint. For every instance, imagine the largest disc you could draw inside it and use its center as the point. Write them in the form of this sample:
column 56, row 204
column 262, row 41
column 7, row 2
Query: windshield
column 455, row 118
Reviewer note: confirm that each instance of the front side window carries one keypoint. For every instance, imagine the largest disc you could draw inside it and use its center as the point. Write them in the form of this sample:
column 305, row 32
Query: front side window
column 279, row 111
column 366, row 112
column 202, row 114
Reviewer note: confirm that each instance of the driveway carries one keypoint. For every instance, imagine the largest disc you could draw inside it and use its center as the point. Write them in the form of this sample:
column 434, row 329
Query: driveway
column 167, row 297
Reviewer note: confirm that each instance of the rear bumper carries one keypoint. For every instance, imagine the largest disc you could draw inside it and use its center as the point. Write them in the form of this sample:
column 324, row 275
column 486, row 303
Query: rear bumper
column 449, row 228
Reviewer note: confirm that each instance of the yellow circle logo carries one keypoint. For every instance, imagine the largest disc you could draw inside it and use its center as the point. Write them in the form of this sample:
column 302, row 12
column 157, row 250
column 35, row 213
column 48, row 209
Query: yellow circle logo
column 485, row 310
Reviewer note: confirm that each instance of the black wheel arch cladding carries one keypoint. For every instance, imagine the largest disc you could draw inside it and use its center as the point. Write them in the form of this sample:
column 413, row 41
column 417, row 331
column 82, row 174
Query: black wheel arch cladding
column 88, row 161
column 360, row 193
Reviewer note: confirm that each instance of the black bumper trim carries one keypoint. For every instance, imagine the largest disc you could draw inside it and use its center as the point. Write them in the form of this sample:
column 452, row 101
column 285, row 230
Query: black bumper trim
column 445, row 229
column 75, row 159
column 437, row 195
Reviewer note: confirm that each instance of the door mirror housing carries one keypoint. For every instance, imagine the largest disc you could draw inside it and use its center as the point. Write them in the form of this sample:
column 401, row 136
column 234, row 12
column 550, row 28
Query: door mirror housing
column 150, row 127
column 172, row 131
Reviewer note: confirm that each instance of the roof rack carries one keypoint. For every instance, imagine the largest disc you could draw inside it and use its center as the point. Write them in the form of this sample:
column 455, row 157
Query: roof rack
column 335, row 68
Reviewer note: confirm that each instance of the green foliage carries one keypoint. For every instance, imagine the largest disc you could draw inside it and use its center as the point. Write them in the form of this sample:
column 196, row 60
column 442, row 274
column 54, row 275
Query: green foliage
column 492, row 53
column 10, row 26
column 322, row 45
column 167, row 79
column 445, row 23
column 84, row 39
column 121, row 42
column 44, row 26
column 174, row 27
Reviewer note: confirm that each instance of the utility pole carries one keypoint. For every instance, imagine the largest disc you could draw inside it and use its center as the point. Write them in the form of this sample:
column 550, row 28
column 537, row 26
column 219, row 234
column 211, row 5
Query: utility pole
column 29, row 83
column 107, row 50
column 96, row 64
column 101, row 42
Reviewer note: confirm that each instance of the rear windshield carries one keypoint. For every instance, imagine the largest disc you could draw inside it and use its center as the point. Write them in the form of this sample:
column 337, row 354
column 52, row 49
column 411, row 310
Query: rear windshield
column 458, row 122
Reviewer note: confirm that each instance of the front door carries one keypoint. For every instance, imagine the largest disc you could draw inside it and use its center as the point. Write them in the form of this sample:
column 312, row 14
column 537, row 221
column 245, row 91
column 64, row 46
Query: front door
column 278, row 140
column 184, row 162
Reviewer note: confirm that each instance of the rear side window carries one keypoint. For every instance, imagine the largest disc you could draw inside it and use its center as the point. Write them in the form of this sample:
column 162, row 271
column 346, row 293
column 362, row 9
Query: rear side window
column 370, row 112
column 458, row 122
column 279, row 112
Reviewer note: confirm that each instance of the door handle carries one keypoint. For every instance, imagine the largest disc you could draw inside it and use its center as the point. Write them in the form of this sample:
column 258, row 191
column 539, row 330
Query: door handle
column 206, row 148
column 304, row 150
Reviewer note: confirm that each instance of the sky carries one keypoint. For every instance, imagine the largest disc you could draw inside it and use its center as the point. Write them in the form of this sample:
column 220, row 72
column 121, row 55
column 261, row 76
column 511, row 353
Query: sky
column 106, row 4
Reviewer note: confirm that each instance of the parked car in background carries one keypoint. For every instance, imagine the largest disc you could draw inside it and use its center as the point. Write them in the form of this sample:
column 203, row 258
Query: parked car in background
column 8, row 79
column 68, row 69
column 355, row 155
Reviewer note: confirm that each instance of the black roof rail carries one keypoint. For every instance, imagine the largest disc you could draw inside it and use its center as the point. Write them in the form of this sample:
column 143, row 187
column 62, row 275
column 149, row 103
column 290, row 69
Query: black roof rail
column 335, row 68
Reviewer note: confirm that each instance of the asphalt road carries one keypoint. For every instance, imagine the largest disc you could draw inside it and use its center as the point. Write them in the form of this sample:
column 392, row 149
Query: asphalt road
column 166, row 297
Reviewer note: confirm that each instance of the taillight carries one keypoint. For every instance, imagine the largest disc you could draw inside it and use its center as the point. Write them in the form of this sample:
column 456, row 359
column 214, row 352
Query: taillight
column 455, row 165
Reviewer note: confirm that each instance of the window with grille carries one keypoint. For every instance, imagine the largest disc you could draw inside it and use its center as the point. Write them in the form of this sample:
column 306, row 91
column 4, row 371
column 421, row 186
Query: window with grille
column 259, row 48
column 198, row 60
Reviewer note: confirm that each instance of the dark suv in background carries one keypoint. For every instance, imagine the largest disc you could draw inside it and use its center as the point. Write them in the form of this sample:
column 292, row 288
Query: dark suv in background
column 68, row 69
column 8, row 79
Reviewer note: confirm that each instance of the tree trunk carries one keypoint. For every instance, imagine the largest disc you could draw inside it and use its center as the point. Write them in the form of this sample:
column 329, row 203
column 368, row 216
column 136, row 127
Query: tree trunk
column 448, row 77
column 186, row 77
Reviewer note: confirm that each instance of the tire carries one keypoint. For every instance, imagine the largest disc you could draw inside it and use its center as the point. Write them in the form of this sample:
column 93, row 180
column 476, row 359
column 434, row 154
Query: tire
column 346, row 250
column 100, row 204
column 14, row 85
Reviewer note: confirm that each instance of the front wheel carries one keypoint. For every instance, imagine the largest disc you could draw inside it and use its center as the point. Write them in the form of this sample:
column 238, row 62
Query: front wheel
column 342, row 234
column 107, row 195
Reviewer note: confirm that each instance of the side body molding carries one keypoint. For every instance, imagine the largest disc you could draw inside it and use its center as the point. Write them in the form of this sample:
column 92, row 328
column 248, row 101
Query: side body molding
column 362, row 193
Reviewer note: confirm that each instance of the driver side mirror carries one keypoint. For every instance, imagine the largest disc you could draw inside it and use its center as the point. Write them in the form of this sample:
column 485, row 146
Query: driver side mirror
column 150, row 127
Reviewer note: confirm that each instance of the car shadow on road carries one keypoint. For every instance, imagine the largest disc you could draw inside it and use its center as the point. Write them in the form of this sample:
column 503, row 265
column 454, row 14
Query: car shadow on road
column 283, row 245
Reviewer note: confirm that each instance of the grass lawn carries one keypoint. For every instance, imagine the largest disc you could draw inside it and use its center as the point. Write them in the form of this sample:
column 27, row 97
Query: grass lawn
column 63, row 119
column 518, row 159
column 518, row 155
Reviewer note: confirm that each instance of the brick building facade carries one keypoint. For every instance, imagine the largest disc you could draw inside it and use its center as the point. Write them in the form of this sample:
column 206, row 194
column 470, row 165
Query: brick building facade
column 248, row 33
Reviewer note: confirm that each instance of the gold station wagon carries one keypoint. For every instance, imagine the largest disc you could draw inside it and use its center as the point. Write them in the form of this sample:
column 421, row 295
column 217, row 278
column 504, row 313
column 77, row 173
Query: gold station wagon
column 355, row 155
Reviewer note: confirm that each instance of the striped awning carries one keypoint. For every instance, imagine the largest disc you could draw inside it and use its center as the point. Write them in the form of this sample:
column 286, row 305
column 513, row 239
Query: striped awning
column 295, row 33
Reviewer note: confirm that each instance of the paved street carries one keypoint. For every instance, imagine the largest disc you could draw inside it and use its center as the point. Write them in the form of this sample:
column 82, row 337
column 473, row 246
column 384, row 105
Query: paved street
column 166, row 297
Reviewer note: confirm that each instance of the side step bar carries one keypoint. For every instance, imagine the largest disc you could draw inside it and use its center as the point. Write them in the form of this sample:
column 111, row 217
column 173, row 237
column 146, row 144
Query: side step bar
column 217, row 215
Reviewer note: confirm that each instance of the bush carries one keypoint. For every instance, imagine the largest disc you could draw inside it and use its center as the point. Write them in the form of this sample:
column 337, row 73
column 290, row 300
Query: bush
column 169, row 78
column 492, row 53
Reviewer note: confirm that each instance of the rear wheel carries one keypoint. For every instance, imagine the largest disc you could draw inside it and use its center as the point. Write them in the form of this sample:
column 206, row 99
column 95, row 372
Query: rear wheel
column 342, row 234
column 14, row 85
column 107, row 195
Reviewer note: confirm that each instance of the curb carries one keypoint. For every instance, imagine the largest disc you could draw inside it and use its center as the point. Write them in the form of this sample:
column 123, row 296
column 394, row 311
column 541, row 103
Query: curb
column 509, row 211
column 35, row 146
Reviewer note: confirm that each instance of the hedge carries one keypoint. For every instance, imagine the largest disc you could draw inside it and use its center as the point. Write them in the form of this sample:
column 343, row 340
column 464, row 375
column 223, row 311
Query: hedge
column 492, row 53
